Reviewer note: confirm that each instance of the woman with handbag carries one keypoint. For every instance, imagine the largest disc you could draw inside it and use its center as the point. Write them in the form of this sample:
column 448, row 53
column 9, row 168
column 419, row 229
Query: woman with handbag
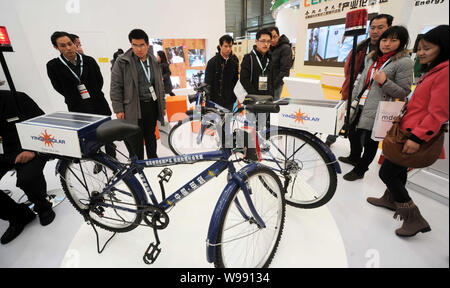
column 388, row 75
column 421, row 125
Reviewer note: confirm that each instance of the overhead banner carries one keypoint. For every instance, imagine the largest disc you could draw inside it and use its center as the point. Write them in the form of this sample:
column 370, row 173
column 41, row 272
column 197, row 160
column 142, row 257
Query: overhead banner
column 335, row 7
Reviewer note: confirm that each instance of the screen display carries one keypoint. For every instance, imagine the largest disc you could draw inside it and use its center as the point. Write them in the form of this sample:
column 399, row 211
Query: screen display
column 326, row 44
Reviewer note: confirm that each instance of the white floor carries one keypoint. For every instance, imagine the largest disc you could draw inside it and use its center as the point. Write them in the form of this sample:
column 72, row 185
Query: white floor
column 347, row 232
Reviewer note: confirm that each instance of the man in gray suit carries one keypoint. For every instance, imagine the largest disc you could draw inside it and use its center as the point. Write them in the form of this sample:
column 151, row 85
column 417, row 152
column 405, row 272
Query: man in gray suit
column 137, row 93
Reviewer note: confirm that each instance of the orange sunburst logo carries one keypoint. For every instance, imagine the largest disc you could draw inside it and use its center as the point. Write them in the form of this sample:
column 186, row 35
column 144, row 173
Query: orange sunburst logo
column 47, row 138
column 299, row 116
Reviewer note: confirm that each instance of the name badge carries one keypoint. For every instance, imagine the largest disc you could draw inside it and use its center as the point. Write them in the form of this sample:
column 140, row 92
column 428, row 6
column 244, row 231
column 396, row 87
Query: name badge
column 364, row 97
column 152, row 91
column 83, row 92
column 262, row 83
column 1, row 146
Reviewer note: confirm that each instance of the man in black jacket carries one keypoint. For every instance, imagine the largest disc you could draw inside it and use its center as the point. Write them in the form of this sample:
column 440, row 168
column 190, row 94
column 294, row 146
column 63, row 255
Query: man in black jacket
column 256, row 73
column 222, row 74
column 281, row 60
column 28, row 165
column 77, row 77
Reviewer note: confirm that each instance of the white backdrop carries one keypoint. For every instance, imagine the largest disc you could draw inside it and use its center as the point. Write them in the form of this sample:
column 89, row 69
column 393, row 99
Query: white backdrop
column 103, row 26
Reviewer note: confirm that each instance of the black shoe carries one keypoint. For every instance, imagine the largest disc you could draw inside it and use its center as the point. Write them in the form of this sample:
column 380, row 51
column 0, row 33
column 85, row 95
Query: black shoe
column 348, row 160
column 328, row 143
column 352, row 176
column 15, row 229
column 46, row 217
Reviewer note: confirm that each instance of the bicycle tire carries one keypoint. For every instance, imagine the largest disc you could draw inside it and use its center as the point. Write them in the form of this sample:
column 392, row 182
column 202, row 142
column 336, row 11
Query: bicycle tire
column 126, row 221
column 233, row 212
column 327, row 177
column 183, row 137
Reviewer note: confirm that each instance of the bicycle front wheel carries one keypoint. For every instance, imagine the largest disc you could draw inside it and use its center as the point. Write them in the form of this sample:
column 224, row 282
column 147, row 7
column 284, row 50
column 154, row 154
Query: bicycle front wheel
column 186, row 137
column 116, row 210
column 242, row 241
column 307, row 172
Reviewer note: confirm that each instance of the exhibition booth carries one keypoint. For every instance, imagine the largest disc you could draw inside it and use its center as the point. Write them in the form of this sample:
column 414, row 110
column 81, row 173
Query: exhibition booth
column 340, row 232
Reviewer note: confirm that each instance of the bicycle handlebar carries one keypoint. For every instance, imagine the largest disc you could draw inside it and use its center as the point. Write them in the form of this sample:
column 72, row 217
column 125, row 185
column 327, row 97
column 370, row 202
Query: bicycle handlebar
column 263, row 108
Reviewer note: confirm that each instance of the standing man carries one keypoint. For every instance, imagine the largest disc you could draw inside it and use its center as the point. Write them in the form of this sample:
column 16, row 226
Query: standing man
column 29, row 166
column 76, row 40
column 137, row 92
column 281, row 60
column 378, row 25
column 78, row 78
column 256, row 74
column 222, row 74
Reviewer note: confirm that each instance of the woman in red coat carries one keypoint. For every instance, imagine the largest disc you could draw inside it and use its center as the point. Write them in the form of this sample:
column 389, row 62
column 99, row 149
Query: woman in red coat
column 426, row 111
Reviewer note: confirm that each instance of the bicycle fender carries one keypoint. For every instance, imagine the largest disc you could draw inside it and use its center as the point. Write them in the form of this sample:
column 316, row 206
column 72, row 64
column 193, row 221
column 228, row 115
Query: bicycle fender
column 319, row 142
column 237, row 180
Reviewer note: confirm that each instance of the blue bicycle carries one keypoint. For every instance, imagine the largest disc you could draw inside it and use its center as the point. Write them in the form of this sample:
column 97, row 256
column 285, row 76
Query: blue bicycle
column 247, row 222
column 306, row 166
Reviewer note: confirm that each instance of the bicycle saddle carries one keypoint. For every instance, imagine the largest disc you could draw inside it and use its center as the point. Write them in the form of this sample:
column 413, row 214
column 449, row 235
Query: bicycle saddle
column 116, row 130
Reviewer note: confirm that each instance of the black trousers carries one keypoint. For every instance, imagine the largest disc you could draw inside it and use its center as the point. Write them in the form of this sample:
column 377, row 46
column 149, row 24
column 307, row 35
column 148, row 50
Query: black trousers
column 30, row 178
column 395, row 178
column 147, row 123
column 362, row 148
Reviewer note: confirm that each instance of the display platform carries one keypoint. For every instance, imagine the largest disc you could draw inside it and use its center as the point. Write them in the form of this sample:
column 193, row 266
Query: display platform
column 310, row 238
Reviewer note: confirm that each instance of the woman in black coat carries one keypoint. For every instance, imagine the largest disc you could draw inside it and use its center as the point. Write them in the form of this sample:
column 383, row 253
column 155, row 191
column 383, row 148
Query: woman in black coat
column 165, row 70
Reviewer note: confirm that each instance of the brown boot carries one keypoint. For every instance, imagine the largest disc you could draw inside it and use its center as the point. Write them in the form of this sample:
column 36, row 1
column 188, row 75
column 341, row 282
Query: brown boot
column 386, row 201
column 413, row 222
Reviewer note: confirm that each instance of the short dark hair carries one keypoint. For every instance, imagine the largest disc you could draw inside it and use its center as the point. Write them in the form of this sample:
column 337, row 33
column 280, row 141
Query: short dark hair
column 262, row 32
column 225, row 38
column 138, row 34
column 274, row 28
column 389, row 18
column 439, row 36
column 74, row 36
column 59, row 34
column 397, row 32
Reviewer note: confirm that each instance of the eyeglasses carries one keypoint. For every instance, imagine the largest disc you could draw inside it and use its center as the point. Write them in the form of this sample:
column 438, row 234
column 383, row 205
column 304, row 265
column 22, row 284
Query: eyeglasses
column 265, row 41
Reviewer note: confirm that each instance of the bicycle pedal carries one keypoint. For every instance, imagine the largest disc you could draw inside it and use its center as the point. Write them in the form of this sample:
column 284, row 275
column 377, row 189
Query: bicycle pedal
column 150, row 257
column 165, row 174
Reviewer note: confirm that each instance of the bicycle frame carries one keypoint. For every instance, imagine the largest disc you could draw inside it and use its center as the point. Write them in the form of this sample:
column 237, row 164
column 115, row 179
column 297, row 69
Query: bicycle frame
column 222, row 163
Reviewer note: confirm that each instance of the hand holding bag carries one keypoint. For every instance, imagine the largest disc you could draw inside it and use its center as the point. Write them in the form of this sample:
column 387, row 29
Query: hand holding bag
column 428, row 152
column 387, row 111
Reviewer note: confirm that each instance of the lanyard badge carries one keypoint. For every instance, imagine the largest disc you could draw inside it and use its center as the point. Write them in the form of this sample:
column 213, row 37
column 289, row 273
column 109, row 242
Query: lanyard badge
column 262, row 83
column 84, row 94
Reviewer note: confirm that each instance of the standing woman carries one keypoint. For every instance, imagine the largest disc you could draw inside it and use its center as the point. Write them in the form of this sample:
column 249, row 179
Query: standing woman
column 426, row 112
column 165, row 70
column 387, row 75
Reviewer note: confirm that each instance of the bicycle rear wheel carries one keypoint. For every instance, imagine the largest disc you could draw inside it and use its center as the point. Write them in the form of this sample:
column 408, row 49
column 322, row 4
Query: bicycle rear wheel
column 186, row 137
column 242, row 242
column 307, row 173
column 83, row 181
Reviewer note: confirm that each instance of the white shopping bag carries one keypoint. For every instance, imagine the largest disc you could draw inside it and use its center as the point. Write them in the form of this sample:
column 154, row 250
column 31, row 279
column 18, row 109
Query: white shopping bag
column 386, row 113
column 240, row 92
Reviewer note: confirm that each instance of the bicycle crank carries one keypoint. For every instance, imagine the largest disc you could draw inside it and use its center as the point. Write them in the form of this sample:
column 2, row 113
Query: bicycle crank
column 155, row 217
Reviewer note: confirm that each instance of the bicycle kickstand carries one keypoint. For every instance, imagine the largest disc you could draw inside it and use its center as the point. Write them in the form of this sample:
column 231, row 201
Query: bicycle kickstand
column 150, row 257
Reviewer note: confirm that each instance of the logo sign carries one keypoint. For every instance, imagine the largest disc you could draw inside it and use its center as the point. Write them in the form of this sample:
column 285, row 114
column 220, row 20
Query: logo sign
column 73, row 7
column 301, row 117
column 48, row 139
